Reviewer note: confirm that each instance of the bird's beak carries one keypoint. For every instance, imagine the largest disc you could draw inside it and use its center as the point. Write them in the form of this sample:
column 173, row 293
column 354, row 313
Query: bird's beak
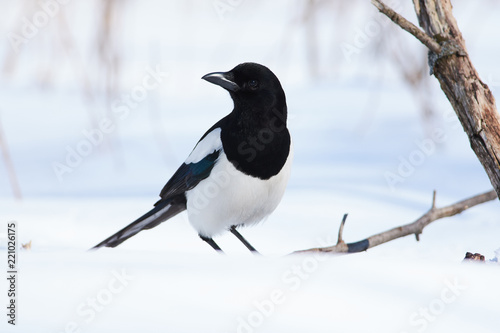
column 225, row 80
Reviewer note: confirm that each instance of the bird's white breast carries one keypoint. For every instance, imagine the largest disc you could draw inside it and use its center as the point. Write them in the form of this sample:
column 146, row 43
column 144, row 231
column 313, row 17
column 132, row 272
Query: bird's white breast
column 229, row 197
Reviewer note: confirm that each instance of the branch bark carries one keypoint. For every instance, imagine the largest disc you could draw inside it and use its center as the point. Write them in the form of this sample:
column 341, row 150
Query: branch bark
column 471, row 98
column 414, row 228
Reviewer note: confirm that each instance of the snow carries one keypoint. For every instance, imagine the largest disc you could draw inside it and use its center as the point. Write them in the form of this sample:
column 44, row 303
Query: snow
column 183, row 292
column 351, row 126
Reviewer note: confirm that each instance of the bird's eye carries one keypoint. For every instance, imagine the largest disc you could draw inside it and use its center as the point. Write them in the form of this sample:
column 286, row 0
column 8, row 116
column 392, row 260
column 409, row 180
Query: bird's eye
column 253, row 84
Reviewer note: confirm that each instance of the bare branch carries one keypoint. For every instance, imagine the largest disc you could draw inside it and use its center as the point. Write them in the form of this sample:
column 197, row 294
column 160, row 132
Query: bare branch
column 470, row 97
column 414, row 228
column 408, row 26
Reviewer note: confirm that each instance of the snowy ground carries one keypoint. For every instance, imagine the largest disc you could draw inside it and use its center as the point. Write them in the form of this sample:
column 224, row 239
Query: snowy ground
column 346, row 143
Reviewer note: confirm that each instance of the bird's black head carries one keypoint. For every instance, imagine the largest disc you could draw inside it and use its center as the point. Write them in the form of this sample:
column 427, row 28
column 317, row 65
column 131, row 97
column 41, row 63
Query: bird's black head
column 254, row 136
column 254, row 89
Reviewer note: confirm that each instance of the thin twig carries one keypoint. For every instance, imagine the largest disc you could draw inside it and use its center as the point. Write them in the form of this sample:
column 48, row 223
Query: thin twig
column 414, row 228
column 341, row 229
column 408, row 26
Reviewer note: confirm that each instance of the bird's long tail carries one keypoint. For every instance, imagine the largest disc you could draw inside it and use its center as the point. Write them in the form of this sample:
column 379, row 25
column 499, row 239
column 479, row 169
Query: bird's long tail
column 163, row 210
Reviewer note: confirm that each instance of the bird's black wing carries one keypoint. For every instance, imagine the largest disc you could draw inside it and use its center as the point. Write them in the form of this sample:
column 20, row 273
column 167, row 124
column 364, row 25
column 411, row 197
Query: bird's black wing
column 205, row 153
column 173, row 199
column 188, row 176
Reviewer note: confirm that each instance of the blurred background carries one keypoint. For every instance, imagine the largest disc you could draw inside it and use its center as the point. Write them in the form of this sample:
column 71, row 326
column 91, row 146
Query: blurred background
column 68, row 65
column 103, row 98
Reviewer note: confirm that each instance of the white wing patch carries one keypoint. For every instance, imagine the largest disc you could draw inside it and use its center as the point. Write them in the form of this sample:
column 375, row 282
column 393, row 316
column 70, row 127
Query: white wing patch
column 208, row 145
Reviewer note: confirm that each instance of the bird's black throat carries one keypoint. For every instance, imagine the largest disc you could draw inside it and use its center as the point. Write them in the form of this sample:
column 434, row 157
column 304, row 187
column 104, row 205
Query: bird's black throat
column 256, row 142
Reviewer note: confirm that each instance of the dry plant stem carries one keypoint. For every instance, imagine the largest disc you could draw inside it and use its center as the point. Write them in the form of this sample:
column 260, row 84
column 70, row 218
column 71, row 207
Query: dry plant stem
column 414, row 228
column 471, row 98
column 16, row 189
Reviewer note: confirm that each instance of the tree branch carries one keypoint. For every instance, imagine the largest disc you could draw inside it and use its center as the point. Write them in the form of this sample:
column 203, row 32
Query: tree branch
column 414, row 228
column 471, row 98
column 408, row 26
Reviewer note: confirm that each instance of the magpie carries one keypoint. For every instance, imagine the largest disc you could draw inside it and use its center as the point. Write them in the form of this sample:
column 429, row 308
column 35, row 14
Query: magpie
column 237, row 173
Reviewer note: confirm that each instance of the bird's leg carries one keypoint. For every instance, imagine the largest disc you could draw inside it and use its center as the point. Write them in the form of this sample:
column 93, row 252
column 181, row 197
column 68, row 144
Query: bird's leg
column 242, row 239
column 212, row 243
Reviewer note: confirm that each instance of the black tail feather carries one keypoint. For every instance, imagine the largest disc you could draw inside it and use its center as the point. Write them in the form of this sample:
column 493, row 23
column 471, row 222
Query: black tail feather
column 163, row 210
